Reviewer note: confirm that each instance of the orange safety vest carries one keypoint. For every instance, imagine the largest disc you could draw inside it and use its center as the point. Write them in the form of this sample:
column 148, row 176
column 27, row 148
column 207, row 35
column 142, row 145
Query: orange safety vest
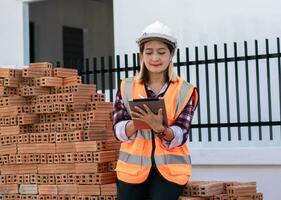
column 134, row 163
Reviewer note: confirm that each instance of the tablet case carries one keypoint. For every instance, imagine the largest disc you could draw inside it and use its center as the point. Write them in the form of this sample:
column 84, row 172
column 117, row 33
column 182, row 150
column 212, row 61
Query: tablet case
column 154, row 105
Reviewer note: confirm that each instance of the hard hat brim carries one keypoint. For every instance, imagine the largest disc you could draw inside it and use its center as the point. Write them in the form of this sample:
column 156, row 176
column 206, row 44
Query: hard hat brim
column 161, row 37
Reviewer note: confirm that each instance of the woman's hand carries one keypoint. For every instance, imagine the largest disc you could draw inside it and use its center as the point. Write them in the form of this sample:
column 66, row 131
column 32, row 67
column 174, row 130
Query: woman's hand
column 155, row 121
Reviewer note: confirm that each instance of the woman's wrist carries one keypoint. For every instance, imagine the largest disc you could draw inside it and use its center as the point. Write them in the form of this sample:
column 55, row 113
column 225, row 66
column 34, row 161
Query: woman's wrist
column 169, row 134
column 130, row 128
column 165, row 133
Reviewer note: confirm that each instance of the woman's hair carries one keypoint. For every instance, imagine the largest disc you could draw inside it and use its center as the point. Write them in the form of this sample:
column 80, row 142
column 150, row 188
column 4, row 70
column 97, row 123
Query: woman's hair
column 170, row 74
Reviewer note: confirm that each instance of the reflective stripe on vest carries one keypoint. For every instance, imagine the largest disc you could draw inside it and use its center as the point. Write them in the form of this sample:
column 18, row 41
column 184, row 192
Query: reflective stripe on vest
column 160, row 160
column 134, row 161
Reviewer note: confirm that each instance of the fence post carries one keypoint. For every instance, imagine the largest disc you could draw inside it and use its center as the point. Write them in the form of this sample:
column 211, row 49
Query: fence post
column 237, row 89
column 227, row 91
column 217, row 90
column 268, row 88
column 198, row 88
column 110, row 78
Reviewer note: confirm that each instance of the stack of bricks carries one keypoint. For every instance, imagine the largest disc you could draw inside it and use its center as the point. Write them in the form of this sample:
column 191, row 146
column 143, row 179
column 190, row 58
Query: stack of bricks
column 56, row 140
column 218, row 190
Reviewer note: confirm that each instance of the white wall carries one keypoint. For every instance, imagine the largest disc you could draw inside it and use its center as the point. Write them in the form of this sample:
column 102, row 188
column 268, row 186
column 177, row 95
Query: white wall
column 197, row 22
column 14, row 42
column 93, row 16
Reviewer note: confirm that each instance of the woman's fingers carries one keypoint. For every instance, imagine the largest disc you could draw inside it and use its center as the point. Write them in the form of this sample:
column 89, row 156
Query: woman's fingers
column 160, row 112
column 147, row 109
column 136, row 114
column 141, row 111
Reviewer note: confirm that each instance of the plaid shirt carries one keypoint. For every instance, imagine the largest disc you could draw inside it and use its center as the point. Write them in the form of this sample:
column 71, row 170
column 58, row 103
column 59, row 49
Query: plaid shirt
column 183, row 121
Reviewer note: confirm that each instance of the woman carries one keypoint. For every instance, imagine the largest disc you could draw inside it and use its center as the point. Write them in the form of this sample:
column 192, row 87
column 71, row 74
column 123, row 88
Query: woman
column 154, row 164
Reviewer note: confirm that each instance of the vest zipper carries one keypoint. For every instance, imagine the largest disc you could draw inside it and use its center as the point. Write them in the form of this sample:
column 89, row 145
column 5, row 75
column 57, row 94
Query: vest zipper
column 153, row 150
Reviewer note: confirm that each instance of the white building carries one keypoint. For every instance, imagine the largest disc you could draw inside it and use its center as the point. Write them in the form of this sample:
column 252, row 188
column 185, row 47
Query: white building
column 43, row 31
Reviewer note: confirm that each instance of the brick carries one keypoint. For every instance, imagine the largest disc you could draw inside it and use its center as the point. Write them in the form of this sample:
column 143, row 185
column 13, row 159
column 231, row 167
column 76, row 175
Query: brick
column 11, row 110
column 105, row 156
column 90, row 167
column 12, row 101
column 108, row 189
column 36, row 73
column 36, row 148
column 67, row 189
column 9, row 189
column 88, row 146
column 51, row 81
column 210, row 189
column 72, row 80
column 242, row 190
column 10, row 130
column 77, row 98
column 65, row 72
column 12, row 82
column 46, row 168
column 8, row 149
column 104, row 178
column 111, row 144
column 65, row 147
column 8, row 73
column 27, row 169
column 40, row 65
column 89, row 189
column 47, row 189
column 28, row 189
column 65, row 168
column 27, row 118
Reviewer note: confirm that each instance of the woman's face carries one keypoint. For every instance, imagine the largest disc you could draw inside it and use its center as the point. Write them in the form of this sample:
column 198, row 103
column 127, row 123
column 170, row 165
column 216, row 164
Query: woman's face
column 156, row 56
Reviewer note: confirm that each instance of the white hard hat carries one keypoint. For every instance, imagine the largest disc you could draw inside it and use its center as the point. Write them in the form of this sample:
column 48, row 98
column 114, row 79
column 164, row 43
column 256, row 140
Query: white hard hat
column 159, row 31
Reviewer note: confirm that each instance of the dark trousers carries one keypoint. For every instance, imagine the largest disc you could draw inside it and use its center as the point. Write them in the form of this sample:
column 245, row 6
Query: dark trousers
column 154, row 188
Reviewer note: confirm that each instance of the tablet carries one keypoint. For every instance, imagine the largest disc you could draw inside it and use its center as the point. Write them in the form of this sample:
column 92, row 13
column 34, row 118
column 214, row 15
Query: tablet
column 154, row 105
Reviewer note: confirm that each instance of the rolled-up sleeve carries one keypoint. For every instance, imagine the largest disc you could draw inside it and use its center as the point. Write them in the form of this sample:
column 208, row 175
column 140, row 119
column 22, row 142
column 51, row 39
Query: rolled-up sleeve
column 120, row 119
column 120, row 132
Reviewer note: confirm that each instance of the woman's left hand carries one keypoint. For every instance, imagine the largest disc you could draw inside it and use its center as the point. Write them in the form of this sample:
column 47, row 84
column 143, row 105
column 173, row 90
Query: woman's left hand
column 155, row 121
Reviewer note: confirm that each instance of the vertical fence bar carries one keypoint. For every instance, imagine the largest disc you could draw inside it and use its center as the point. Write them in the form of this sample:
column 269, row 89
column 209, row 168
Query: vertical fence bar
column 237, row 89
column 248, row 90
column 207, row 92
column 227, row 92
column 87, row 74
column 279, row 77
column 217, row 90
column 118, row 71
column 178, row 62
column 258, row 87
column 95, row 77
column 268, row 88
column 102, row 75
column 198, row 88
column 58, row 64
column 188, row 80
column 187, row 64
column 126, row 66
column 134, row 64
column 110, row 66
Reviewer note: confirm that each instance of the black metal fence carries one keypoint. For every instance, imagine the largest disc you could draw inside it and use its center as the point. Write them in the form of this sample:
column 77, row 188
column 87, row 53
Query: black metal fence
column 241, row 91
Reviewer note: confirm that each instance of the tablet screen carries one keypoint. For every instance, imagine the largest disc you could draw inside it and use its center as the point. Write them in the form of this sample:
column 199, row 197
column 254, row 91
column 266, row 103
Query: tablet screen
column 154, row 105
